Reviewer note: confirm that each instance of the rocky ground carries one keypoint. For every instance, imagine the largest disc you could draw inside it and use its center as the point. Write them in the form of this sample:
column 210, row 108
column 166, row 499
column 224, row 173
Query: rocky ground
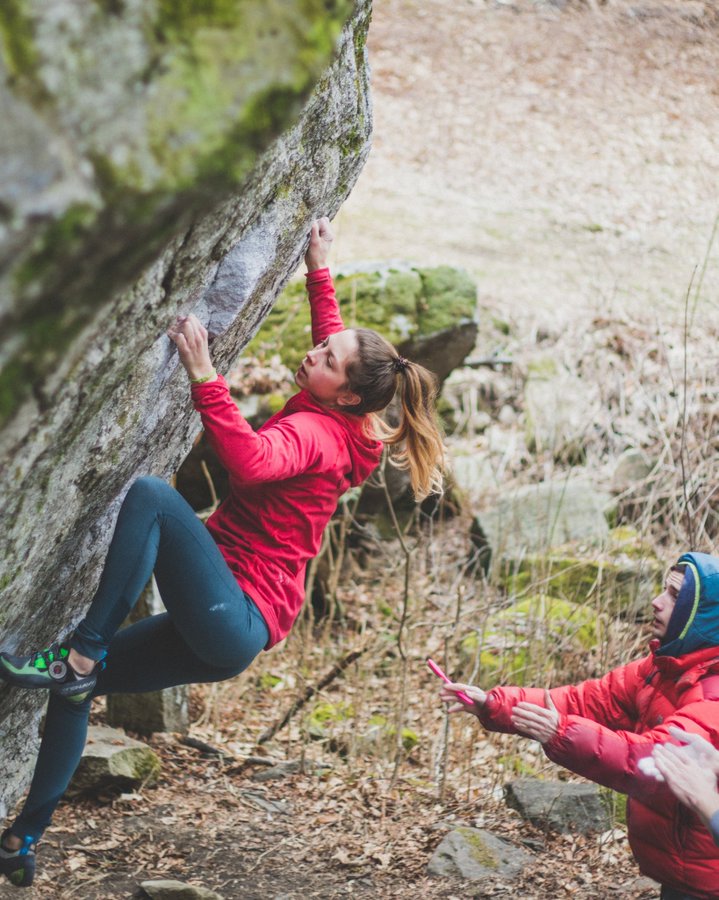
column 567, row 159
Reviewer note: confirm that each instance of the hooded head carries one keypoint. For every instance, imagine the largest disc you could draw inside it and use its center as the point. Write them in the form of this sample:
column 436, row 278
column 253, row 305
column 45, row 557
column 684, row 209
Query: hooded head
column 694, row 622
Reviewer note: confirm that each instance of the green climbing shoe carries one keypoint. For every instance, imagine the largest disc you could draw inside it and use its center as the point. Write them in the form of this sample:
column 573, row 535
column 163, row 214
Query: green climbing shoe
column 49, row 669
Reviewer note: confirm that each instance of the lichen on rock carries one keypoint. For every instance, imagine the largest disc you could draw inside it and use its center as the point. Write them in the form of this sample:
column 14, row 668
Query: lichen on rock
column 146, row 116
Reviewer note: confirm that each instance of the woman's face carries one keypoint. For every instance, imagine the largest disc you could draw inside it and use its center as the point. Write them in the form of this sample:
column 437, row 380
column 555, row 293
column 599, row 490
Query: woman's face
column 324, row 369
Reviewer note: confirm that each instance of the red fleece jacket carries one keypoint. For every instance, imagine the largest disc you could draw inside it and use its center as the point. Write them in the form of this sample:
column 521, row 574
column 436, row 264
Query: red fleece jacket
column 607, row 725
column 285, row 478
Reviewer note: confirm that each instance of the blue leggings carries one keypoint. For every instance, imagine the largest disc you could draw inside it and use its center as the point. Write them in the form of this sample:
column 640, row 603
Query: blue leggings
column 211, row 631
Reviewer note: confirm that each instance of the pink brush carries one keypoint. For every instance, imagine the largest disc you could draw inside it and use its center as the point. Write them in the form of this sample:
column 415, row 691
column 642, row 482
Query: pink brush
column 461, row 696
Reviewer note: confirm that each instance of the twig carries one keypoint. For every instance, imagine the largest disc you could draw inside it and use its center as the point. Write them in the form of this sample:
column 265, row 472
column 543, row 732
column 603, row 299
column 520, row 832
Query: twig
column 210, row 483
column 700, row 282
column 407, row 554
column 272, row 849
column 400, row 631
column 310, row 691
column 197, row 744
column 683, row 442
column 444, row 753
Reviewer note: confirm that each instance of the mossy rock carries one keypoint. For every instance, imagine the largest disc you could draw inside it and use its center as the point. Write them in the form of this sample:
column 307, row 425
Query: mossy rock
column 523, row 642
column 448, row 294
column 125, row 127
column 475, row 856
column 112, row 759
column 623, row 539
column 621, row 579
column 403, row 305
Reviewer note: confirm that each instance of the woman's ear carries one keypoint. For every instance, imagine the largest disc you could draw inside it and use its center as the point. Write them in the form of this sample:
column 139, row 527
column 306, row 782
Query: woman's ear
column 348, row 398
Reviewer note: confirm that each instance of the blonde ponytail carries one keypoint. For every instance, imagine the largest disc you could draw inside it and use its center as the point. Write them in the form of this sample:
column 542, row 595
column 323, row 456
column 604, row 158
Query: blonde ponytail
column 379, row 373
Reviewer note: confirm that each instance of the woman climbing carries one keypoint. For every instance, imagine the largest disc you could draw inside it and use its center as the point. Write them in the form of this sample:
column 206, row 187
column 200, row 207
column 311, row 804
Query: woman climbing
column 236, row 585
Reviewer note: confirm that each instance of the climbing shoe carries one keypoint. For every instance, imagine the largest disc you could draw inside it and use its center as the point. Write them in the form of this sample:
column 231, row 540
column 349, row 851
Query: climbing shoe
column 18, row 865
column 49, row 669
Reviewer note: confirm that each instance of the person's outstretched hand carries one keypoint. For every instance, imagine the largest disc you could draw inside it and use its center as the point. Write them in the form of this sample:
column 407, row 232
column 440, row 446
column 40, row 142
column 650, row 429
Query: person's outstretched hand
column 190, row 336
column 698, row 747
column 321, row 238
column 688, row 779
column 448, row 694
column 537, row 722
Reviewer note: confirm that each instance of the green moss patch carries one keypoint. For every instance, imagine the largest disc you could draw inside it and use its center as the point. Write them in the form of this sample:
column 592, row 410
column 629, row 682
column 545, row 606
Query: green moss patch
column 216, row 55
column 448, row 295
column 325, row 715
column 478, row 849
column 401, row 305
column 59, row 241
column 619, row 579
column 17, row 37
column 524, row 641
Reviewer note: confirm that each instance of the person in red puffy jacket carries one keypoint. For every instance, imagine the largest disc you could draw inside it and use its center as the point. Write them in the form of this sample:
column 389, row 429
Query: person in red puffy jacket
column 607, row 729
column 235, row 586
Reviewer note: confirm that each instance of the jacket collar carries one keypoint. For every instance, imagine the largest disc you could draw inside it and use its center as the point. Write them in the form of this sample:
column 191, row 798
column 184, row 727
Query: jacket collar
column 701, row 662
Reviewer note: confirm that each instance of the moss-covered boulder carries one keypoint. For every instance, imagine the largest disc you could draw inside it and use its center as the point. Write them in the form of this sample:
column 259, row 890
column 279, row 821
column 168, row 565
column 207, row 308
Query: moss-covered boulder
column 621, row 578
column 615, row 587
column 473, row 854
column 111, row 759
column 429, row 314
column 122, row 122
column 524, row 642
column 157, row 158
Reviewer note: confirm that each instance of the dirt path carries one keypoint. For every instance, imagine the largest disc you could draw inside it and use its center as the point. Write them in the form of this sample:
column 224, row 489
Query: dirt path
column 569, row 159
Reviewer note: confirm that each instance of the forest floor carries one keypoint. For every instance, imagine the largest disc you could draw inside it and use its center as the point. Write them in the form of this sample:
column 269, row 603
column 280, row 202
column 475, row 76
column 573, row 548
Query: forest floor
column 568, row 160
column 341, row 813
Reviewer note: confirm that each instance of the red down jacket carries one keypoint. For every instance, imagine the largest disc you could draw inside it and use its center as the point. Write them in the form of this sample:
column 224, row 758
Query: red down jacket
column 285, row 478
column 607, row 725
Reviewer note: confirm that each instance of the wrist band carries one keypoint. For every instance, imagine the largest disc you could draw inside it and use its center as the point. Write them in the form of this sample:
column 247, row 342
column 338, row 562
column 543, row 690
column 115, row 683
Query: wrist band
column 209, row 377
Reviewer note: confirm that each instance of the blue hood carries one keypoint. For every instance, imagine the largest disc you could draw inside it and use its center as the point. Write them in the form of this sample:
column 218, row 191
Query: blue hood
column 699, row 594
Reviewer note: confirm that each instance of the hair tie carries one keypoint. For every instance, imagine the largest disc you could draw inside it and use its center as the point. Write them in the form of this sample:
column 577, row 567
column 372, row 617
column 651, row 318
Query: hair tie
column 400, row 364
